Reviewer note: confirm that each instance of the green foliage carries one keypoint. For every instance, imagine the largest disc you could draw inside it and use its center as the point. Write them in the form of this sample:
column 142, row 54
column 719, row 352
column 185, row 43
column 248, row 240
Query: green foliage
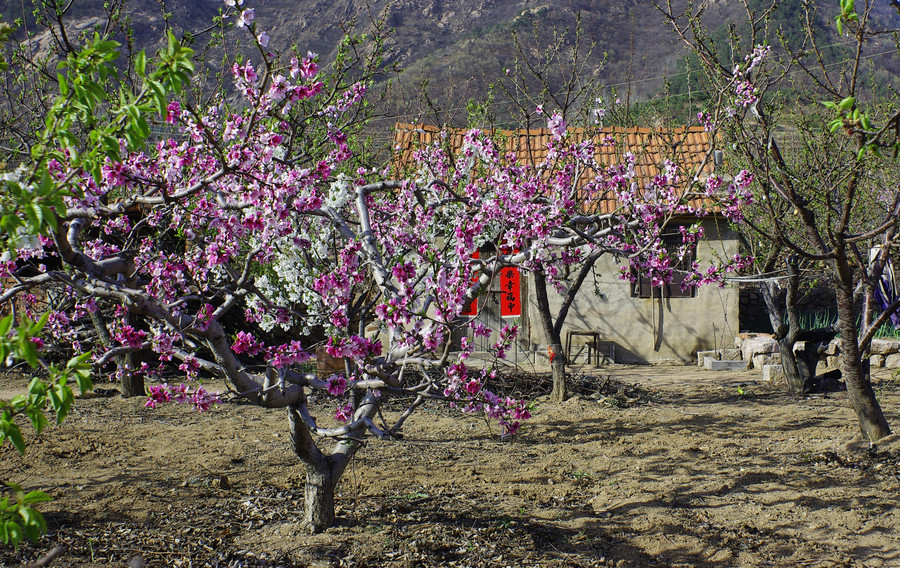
column 85, row 89
column 91, row 114
column 848, row 14
column 28, row 209
column 87, row 120
column 6, row 31
column 18, row 519
column 54, row 393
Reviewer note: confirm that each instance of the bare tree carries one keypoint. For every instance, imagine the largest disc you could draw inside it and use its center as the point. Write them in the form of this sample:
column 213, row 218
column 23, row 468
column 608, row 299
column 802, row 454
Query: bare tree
column 804, row 121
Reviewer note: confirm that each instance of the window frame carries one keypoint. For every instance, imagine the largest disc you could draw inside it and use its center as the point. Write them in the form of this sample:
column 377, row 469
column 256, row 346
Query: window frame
column 672, row 239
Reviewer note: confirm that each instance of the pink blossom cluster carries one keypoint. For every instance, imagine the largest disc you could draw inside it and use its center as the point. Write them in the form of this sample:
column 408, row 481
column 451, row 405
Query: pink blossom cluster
column 130, row 337
column 715, row 274
column 230, row 221
column 245, row 343
column 465, row 389
column 164, row 345
column 337, row 385
column 706, row 120
column 507, row 334
column 199, row 397
column 291, row 353
column 746, row 93
column 354, row 347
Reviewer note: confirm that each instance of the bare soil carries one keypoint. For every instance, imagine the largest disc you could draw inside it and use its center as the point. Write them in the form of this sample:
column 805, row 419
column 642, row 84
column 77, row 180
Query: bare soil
column 667, row 466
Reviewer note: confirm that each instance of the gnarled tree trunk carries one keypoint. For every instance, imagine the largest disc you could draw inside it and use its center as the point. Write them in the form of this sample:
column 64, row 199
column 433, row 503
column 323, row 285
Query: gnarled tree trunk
column 321, row 480
column 132, row 383
column 854, row 366
column 322, row 472
column 787, row 332
column 552, row 333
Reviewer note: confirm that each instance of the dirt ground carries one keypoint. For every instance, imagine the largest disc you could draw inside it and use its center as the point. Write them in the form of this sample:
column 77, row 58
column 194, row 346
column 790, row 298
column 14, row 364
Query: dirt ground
column 668, row 466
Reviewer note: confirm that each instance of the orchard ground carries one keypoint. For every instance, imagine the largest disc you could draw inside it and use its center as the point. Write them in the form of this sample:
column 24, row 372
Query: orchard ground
column 647, row 466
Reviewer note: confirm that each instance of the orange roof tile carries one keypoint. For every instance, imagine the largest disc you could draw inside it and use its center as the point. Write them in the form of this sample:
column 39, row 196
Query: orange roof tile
column 685, row 146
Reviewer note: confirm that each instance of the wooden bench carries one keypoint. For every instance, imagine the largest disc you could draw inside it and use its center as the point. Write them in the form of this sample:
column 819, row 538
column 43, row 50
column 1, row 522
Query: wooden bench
column 593, row 345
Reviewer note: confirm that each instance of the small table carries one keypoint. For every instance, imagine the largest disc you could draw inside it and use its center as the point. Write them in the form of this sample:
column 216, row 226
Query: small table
column 592, row 344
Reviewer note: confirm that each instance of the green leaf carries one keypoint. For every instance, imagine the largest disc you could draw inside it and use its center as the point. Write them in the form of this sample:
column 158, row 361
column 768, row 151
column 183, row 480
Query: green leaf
column 79, row 361
column 49, row 217
column 38, row 214
column 19, row 401
column 36, row 386
column 61, row 399
column 38, row 421
column 15, row 436
column 35, row 525
column 55, row 400
column 28, row 351
column 32, row 218
column 847, row 103
column 140, row 63
column 39, row 324
column 13, row 533
column 36, row 497
column 5, row 325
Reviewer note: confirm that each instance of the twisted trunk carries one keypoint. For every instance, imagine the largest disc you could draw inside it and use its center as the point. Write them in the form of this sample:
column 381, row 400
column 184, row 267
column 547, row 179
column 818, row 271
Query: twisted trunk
column 551, row 332
column 322, row 473
column 318, row 512
column 132, row 383
column 854, row 366
column 787, row 332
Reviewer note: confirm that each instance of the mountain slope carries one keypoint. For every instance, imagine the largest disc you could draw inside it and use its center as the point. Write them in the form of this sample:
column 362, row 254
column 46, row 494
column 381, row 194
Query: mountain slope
column 453, row 49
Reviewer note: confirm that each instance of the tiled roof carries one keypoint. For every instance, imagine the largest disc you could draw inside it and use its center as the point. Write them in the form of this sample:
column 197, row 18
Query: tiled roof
column 686, row 146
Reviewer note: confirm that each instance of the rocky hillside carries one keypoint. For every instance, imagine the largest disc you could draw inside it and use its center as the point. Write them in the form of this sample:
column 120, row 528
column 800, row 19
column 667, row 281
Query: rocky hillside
column 452, row 50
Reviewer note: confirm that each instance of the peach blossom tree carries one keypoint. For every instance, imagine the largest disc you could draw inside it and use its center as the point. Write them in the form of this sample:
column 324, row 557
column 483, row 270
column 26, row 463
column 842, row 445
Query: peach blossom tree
column 230, row 219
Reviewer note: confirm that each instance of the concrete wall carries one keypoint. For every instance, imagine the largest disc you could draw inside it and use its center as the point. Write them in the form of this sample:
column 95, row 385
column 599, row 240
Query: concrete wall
column 646, row 330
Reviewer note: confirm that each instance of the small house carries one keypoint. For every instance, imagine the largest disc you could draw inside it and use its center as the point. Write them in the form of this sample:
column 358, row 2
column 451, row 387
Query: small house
column 612, row 318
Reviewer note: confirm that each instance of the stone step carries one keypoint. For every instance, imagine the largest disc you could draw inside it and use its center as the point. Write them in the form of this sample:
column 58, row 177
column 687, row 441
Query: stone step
column 718, row 354
column 715, row 365
column 773, row 374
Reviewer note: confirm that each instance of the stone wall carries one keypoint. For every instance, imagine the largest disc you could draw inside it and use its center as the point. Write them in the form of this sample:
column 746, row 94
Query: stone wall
column 646, row 330
column 759, row 351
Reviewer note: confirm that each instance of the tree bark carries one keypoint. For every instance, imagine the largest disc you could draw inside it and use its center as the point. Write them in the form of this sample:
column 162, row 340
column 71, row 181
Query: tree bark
column 558, row 373
column 322, row 474
column 786, row 332
column 318, row 513
column 854, row 367
column 552, row 333
column 324, row 471
column 132, row 383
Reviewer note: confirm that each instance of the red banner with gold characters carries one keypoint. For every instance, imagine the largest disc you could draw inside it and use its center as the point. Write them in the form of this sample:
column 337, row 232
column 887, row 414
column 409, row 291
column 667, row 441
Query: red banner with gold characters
column 510, row 291
column 510, row 296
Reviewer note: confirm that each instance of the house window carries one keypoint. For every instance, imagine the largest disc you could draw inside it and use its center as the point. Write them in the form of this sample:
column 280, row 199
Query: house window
column 642, row 287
